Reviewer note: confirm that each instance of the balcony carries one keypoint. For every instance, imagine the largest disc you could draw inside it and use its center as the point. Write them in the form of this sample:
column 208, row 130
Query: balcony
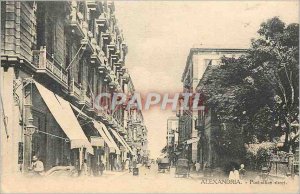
column 92, row 5
column 86, row 42
column 76, row 22
column 112, row 49
column 84, row 99
column 113, row 84
column 119, row 88
column 102, row 22
column 50, row 67
column 104, row 116
column 103, row 68
column 126, row 77
column 111, row 76
column 106, row 37
column 95, row 59
column 75, row 89
column 125, row 48
column 119, row 65
column 123, row 131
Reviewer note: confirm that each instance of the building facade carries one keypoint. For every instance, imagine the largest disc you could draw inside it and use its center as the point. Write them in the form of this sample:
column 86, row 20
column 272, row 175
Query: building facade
column 172, row 138
column 190, row 122
column 56, row 58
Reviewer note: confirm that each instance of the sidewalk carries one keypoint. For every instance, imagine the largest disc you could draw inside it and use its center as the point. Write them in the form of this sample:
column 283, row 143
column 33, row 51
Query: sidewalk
column 112, row 174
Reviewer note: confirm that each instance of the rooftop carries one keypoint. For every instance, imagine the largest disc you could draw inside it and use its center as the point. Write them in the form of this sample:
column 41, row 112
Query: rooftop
column 208, row 50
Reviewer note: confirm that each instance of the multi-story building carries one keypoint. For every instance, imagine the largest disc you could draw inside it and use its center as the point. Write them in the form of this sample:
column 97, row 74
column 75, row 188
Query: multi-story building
column 172, row 137
column 172, row 132
column 134, row 121
column 56, row 57
column 197, row 62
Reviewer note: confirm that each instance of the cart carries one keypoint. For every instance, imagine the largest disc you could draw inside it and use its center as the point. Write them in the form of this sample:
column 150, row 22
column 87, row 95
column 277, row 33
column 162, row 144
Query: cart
column 182, row 168
column 163, row 165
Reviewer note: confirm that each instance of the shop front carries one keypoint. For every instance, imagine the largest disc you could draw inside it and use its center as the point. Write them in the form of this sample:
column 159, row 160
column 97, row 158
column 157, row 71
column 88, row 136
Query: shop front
column 57, row 138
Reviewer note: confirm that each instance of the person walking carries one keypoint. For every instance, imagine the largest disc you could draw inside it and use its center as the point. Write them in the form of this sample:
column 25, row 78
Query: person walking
column 234, row 174
column 127, row 164
column 130, row 166
column 242, row 171
column 84, row 168
column 101, row 167
column 197, row 167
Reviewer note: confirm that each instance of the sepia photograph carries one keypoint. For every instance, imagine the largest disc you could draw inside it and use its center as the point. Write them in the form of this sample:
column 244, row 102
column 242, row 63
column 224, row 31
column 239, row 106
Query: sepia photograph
column 149, row 96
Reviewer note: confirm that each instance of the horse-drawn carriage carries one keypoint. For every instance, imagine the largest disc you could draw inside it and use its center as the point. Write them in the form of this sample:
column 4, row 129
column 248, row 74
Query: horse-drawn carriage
column 163, row 164
column 182, row 168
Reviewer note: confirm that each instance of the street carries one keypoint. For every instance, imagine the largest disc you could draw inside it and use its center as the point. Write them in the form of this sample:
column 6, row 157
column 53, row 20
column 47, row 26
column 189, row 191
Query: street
column 148, row 181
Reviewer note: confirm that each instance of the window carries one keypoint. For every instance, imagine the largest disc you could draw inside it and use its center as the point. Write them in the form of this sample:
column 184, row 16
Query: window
column 92, row 25
column 90, row 81
column 81, row 71
column 82, row 9
column 50, row 35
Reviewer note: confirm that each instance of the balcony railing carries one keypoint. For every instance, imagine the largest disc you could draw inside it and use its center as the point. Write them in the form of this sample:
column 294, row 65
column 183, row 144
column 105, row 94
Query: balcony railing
column 106, row 37
column 75, row 89
column 102, row 22
column 113, row 84
column 125, row 77
column 49, row 66
column 84, row 99
column 110, row 76
column 119, row 65
column 91, row 5
column 76, row 22
column 102, row 113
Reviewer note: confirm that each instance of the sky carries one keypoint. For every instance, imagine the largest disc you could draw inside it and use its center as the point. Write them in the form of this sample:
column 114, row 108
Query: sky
column 159, row 35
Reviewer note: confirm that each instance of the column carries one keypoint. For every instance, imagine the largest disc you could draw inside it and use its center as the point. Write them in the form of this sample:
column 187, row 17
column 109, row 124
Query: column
column 29, row 127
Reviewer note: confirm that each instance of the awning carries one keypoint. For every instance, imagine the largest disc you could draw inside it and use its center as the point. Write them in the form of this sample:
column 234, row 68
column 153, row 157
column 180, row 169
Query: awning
column 193, row 140
column 99, row 128
column 110, row 138
column 121, row 140
column 63, row 114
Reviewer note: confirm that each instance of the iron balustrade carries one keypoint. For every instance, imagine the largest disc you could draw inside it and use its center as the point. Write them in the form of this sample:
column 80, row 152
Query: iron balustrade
column 46, row 64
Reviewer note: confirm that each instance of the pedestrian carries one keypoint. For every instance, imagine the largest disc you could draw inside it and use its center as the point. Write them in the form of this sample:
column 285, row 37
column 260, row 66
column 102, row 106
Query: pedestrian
column 101, row 167
column 127, row 164
column 192, row 166
column 205, row 172
column 234, row 174
column 134, row 163
column 197, row 167
column 123, row 165
column 148, row 164
column 130, row 166
column 84, row 168
column 37, row 166
column 242, row 171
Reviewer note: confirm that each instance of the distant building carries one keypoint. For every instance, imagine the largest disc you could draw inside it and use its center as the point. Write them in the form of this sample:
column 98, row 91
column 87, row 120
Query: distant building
column 172, row 132
column 189, row 132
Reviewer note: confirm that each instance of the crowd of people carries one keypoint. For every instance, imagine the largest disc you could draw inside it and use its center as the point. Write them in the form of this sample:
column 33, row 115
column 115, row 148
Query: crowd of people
column 37, row 167
column 233, row 174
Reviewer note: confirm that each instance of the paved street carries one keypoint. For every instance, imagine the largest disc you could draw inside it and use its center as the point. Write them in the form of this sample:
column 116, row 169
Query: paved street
column 148, row 180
